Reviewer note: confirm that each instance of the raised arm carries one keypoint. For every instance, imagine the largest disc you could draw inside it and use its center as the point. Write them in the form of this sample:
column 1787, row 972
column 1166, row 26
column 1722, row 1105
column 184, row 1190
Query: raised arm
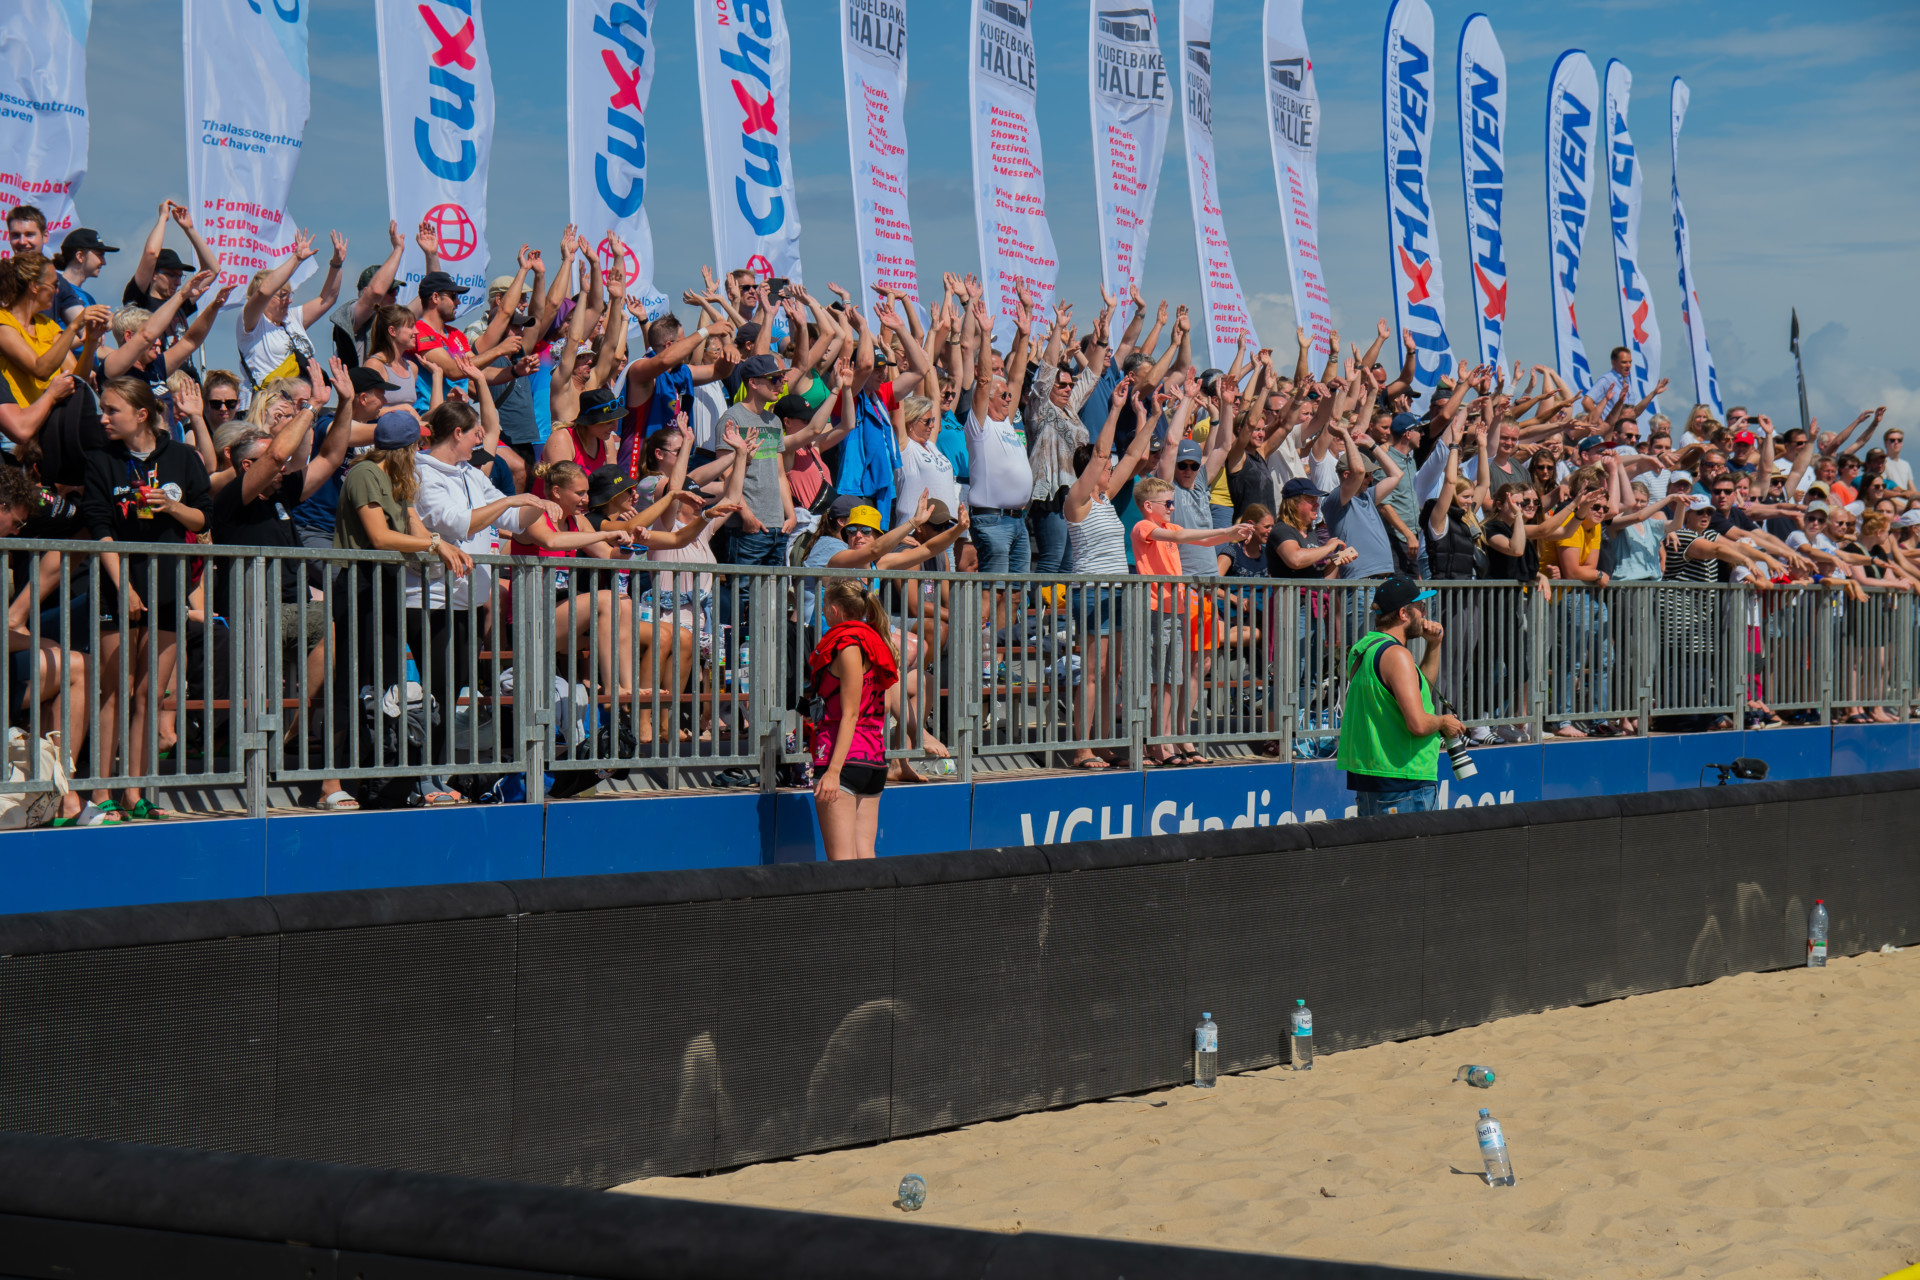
column 315, row 309
column 261, row 293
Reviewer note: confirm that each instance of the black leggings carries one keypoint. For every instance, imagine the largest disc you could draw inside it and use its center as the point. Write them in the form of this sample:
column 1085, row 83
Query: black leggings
column 436, row 639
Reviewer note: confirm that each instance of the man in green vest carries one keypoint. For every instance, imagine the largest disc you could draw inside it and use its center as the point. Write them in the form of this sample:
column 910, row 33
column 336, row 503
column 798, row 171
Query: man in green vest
column 1389, row 733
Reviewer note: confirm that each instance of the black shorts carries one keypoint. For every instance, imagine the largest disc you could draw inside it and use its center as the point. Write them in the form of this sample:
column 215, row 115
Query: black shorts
column 863, row 779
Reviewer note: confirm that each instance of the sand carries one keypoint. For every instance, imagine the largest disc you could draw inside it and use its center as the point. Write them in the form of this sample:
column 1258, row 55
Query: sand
column 1761, row 1125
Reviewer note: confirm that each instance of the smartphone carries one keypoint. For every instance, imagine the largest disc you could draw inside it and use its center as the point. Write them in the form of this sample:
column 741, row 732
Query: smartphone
column 777, row 288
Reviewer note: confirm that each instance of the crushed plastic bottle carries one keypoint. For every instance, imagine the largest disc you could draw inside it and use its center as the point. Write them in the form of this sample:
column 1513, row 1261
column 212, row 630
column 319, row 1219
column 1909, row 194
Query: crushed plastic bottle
column 1478, row 1077
column 1817, row 935
column 1206, row 1052
column 1302, row 1032
column 1493, row 1149
column 913, row 1192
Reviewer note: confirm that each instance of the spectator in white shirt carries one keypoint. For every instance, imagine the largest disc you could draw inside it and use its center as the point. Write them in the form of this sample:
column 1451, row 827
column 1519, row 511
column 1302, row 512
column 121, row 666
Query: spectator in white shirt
column 1002, row 476
column 270, row 330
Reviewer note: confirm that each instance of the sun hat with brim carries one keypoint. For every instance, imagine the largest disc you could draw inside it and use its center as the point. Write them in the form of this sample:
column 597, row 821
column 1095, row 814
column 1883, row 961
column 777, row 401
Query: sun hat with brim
column 607, row 483
column 864, row 518
column 597, row 406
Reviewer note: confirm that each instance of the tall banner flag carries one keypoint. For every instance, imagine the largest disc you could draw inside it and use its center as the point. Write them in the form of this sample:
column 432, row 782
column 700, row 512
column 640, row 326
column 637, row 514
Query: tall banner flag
column 1573, row 108
column 1226, row 320
column 1706, row 383
column 873, row 62
column 1009, row 185
column 247, row 99
column 609, row 78
column 437, row 87
column 1413, row 252
column 1132, row 103
column 746, row 66
column 1293, row 130
column 43, row 108
column 1637, row 320
column 1483, row 171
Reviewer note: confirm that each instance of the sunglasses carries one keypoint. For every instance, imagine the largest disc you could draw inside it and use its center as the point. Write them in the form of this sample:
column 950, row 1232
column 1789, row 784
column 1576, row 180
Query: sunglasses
column 222, row 404
column 1186, row 466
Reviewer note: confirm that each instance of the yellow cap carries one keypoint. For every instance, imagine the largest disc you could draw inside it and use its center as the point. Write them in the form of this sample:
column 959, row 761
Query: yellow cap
column 865, row 518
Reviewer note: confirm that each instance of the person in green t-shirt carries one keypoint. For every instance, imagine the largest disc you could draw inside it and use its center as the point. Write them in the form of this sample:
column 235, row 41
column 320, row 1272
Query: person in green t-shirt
column 1390, row 734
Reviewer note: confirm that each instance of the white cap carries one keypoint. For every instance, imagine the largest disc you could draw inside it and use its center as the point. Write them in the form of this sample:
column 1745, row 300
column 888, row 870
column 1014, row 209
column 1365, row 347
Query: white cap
column 1909, row 519
column 1782, row 465
column 1699, row 502
column 1856, row 507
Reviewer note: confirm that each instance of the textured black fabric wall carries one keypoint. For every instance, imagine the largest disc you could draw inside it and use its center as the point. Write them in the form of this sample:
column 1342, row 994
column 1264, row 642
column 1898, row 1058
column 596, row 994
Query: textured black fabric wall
column 584, row 1032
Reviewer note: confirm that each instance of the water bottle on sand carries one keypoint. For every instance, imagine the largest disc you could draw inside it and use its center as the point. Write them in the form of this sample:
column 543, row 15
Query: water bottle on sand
column 1478, row 1077
column 1206, row 1052
column 913, row 1192
column 1493, row 1149
column 1817, row 935
column 1302, row 1036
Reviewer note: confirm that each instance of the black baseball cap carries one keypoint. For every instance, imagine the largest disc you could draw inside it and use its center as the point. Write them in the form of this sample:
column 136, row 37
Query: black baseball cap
column 1397, row 593
column 85, row 238
column 759, row 366
column 606, row 484
column 746, row 333
column 598, row 405
column 366, row 379
column 168, row 260
column 440, row 282
column 792, row 406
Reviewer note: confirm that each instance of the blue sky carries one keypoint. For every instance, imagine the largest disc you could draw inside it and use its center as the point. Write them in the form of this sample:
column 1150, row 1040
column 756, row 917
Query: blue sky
column 1798, row 164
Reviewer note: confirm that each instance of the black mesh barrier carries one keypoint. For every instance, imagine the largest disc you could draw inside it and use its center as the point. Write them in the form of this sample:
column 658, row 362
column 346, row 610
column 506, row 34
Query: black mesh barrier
column 802, row 1024
column 1823, row 862
column 396, row 1046
column 171, row 1044
column 1573, row 912
column 614, row 1064
column 970, row 1002
column 586, row 1032
column 1668, row 934
column 1366, row 934
column 1744, row 843
column 1119, row 1017
column 1474, row 965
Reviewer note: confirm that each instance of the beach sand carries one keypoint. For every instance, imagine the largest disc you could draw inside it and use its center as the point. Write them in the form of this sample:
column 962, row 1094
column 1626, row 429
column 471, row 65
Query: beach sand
column 1761, row 1125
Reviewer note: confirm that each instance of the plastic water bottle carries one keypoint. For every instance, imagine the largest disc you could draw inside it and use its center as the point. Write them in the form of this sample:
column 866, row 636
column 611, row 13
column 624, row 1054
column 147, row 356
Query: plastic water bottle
column 1302, row 1036
column 1493, row 1149
column 1817, row 935
column 913, row 1192
column 1478, row 1077
column 1206, row 1052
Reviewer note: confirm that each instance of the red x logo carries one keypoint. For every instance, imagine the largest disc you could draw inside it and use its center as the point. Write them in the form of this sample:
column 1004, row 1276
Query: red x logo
column 1573, row 321
column 759, row 114
column 453, row 45
column 1496, row 298
column 1418, row 274
column 1640, row 321
column 627, row 84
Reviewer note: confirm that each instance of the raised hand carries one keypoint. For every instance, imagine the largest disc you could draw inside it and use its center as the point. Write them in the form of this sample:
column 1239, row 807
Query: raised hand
column 339, row 258
column 187, row 399
column 302, row 246
column 570, row 242
column 1384, row 329
column 1022, row 294
column 1300, row 335
column 199, row 283
column 428, row 238
column 1133, row 292
column 393, row 234
column 181, row 215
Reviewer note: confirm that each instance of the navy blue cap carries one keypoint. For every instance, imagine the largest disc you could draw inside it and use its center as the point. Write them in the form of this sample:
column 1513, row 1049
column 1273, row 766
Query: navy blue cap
column 1299, row 487
column 1591, row 442
column 763, row 365
column 1405, row 422
column 396, row 429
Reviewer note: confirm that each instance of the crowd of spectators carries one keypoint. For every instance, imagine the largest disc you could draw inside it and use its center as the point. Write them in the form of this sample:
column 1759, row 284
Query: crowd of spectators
column 557, row 418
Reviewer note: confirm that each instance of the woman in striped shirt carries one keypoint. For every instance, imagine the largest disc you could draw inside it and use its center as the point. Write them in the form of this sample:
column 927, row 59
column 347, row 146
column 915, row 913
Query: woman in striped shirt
column 1099, row 545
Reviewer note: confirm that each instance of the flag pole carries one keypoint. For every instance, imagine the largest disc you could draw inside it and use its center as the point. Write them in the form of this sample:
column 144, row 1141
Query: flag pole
column 1800, row 373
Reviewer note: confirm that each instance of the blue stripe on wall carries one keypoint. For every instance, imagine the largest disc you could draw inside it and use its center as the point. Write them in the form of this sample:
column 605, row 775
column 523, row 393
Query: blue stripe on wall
column 181, row 861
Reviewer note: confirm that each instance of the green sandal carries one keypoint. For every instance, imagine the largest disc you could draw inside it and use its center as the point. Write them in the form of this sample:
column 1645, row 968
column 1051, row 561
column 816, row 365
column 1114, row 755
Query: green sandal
column 94, row 815
column 146, row 810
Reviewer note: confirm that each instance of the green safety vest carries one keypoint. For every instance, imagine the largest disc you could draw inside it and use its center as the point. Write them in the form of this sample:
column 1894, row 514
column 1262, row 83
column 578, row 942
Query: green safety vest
column 1374, row 738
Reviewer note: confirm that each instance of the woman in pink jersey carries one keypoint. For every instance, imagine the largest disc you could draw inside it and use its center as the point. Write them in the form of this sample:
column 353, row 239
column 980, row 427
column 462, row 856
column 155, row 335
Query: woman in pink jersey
column 850, row 671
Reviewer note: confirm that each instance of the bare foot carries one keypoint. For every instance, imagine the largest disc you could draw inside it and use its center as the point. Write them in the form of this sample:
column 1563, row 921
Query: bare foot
column 1569, row 731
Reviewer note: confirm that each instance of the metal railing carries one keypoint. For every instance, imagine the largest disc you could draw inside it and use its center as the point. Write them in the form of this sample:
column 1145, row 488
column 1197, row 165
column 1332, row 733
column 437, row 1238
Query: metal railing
column 254, row 669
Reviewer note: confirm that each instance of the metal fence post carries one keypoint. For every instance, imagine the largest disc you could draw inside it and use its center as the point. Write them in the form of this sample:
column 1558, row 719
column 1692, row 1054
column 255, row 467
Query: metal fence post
column 1647, row 655
column 1903, row 618
column 258, row 726
column 1824, row 648
column 963, row 677
column 533, row 666
column 1541, row 645
column 764, row 711
column 1136, row 692
column 1288, row 667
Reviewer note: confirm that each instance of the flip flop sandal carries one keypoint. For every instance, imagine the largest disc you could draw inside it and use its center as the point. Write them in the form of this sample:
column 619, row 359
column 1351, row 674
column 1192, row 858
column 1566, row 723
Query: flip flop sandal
column 337, row 802
column 147, row 811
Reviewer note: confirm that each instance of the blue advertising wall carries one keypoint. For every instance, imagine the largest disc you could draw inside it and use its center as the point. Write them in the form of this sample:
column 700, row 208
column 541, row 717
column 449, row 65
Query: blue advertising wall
column 300, row 853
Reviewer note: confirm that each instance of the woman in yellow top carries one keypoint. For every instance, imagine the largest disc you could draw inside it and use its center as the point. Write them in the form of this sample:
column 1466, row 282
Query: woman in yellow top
column 33, row 349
